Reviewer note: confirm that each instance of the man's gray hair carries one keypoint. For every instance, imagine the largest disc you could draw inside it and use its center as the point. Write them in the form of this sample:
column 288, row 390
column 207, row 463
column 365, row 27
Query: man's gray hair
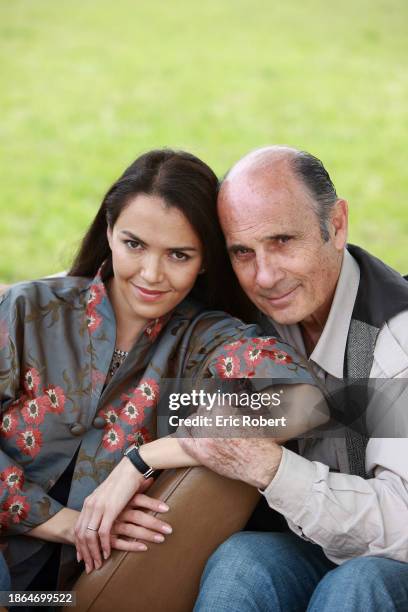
column 310, row 170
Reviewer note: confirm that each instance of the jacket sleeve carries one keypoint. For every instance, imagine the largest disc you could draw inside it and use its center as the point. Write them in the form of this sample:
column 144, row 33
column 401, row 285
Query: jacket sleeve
column 347, row 515
column 23, row 503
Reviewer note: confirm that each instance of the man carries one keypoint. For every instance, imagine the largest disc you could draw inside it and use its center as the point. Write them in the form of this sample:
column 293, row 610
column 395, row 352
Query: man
column 345, row 501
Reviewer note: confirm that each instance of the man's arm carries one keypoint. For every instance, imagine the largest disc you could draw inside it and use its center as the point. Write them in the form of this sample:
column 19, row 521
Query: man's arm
column 347, row 515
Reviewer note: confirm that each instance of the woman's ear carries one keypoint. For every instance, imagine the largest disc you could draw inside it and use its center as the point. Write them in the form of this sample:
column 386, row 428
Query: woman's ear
column 109, row 236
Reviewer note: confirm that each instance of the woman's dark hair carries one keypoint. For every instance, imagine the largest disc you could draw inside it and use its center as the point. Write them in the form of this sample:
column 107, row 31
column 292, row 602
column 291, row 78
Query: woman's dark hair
column 185, row 182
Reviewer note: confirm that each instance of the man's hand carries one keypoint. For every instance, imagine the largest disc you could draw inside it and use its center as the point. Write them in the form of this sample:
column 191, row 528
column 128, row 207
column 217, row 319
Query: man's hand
column 253, row 460
column 256, row 459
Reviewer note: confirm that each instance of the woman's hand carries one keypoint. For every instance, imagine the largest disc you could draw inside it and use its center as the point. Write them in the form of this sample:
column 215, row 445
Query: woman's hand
column 101, row 509
column 133, row 522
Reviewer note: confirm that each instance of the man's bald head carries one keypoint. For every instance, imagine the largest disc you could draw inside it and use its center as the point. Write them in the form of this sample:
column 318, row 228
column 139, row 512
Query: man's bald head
column 263, row 158
column 273, row 166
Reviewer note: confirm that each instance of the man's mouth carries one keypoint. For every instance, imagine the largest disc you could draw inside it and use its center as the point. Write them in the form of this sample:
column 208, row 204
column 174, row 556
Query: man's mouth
column 281, row 299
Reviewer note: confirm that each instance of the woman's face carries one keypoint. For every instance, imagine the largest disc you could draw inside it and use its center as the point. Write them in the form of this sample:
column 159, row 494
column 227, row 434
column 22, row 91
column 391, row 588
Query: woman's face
column 156, row 258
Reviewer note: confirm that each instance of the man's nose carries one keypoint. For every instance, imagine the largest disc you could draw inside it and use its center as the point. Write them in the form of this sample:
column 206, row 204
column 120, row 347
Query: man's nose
column 268, row 272
column 152, row 269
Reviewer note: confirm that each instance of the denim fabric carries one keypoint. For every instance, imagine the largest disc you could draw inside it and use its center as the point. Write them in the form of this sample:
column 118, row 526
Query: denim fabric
column 253, row 572
column 4, row 575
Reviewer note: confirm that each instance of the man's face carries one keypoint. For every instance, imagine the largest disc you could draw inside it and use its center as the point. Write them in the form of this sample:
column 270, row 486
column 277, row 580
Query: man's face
column 276, row 247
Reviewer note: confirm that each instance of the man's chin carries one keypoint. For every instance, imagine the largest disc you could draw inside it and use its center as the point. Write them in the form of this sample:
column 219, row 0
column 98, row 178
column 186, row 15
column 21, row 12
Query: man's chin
column 282, row 316
column 284, row 320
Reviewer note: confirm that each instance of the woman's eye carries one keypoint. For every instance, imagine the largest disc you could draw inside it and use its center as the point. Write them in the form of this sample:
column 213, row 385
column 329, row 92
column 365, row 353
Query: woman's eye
column 179, row 256
column 133, row 244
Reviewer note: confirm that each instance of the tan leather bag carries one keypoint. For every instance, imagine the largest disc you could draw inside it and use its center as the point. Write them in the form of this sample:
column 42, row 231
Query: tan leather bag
column 205, row 509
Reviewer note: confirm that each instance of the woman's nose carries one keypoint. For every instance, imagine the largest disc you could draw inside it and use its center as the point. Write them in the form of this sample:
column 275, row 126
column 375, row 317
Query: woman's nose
column 152, row 270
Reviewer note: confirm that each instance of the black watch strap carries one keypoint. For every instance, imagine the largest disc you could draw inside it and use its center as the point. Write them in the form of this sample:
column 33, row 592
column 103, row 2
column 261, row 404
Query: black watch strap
column 132, row 453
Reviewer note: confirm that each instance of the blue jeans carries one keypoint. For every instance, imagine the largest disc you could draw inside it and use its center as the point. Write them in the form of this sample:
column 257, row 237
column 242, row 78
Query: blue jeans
column 254, row 572
column 4, row 575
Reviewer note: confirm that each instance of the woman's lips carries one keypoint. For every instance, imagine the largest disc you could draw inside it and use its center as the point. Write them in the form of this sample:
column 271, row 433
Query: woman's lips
column 149, row 295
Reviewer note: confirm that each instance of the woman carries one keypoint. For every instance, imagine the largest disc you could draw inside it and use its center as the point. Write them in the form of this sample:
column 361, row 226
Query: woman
column 81, row 357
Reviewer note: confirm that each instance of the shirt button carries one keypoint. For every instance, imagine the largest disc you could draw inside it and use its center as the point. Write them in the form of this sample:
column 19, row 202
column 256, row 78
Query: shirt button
column 99, row 422
column 77, row 429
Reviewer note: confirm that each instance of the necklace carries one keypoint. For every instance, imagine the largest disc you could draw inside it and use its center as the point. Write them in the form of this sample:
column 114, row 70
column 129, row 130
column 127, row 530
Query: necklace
column 118, row 358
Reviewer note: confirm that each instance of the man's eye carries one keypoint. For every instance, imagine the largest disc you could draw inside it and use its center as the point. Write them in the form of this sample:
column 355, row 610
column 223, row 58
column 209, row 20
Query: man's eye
column 179, row 256
column 284, row 239
column 242, row 253
column 133, row 244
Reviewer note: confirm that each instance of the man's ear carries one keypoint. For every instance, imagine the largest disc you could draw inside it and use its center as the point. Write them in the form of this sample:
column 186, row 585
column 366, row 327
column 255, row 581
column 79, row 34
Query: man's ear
column 339, row 223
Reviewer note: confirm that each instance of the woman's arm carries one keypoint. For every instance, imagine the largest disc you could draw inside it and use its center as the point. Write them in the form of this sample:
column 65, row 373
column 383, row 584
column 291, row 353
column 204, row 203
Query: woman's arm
column 165, row 453
column 131, row 523
column 59, row 528
column 104, row 505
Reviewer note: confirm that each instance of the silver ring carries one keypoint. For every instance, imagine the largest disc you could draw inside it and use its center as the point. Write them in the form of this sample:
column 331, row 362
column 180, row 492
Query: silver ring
column 92, row 529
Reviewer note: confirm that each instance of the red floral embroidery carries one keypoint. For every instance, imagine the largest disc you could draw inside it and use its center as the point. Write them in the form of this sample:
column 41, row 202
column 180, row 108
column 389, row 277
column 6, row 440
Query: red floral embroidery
column 265, row 341
column 96, row 293
column 98, row 378
column 147, row 393
column 13, row 477
column 132, row 412
column 55, row 399
column 253, row 354
column 34, row 410
column 17, row 508
column 31, row 381
column 29, row 442
column 139, row 437
column 154, row 328
column 93, row 321
column 113, row 439
column 4, row 519
column 8, row 424
column 4, row 334
column 227, row 366
column 279, row 356
column 233, row 346
column 111, row 416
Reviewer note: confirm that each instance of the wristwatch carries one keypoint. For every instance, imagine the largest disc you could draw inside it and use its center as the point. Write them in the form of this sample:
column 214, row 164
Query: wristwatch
column 132, row 453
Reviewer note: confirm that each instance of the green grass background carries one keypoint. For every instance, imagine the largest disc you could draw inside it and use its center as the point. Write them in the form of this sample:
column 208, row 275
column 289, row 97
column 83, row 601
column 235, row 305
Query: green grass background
column 88, row 85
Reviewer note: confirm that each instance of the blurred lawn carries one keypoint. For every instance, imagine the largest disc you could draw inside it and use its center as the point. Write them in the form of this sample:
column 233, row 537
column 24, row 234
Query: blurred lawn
column 86, row 86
